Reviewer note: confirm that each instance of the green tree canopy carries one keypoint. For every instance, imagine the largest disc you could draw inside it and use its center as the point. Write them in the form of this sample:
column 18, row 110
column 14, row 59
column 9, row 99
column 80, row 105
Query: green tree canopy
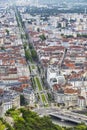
column 42, row 37
column 2, row 126
column 34, row 54
column 23, row 101
column 28, row 55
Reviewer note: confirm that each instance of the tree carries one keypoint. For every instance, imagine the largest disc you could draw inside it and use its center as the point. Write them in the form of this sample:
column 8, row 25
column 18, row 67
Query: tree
column 23, row 101
column 59, row 25
column 34, row 54
column 38, row 29
column 28, row 55
column 7, row 31
column 23, row 36
column 81, row 127
column 30, row 46
column 69, row 36
column 25, row 46
column 82, row 35
column 2, row 48
column 42, row 37
column 2, row 126
column 8, row 127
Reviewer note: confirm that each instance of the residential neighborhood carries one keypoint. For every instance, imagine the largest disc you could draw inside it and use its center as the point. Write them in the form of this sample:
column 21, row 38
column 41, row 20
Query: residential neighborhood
column 14, row 71
column 61, row 45
column 43, row 61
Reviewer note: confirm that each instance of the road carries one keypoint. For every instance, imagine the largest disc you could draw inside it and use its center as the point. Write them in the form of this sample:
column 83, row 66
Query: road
column 21, row 28
column 39, row 86
column 33, row 72
column 62, row 114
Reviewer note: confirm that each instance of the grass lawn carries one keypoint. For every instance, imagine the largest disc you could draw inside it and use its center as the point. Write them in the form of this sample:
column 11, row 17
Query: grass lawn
column 33, row 67
column 43, row 98
column 38, row 83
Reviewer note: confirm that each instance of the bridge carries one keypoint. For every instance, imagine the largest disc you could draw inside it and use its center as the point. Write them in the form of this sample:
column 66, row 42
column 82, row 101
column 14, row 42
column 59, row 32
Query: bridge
column 64, row 115
column 66, row 118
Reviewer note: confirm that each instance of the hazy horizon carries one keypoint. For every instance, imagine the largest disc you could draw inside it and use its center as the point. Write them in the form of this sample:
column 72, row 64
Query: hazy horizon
column 56, row 1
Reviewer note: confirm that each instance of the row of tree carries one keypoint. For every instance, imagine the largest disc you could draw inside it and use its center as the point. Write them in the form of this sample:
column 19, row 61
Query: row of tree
column 30, row 54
